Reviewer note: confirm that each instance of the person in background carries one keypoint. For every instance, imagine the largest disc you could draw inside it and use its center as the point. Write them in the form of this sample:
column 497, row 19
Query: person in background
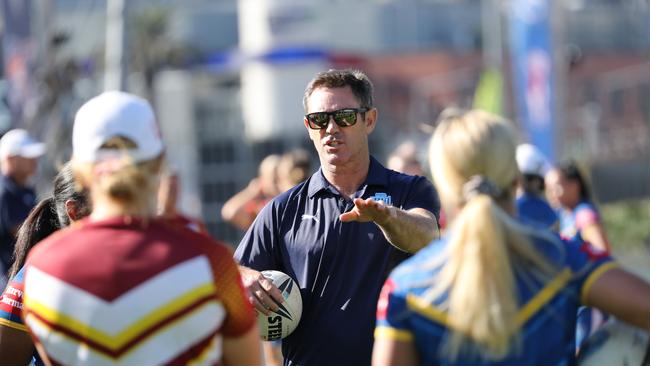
column 579, row 220
column 19, row 155
column 294, row 167
column 580, row 217
column 404, row 159
column 242, row 208
column 66, row 205
column 493, row 291
column 125, row 286
column 341, row 231
column 168, row 194
column 532, row 207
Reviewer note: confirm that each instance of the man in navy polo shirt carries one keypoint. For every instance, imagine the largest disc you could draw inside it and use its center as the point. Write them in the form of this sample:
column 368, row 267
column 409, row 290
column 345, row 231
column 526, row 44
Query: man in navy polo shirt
column 339, row 233
column 18, row 162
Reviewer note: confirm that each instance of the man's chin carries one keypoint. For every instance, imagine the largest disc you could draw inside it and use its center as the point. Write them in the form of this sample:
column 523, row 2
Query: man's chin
column 336, row 160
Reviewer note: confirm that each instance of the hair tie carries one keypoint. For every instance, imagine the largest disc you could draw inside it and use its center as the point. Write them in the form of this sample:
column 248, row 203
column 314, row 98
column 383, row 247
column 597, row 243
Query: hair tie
column 479, row 184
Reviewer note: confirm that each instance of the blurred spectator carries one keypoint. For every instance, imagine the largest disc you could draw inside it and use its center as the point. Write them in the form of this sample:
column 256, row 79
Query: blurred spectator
column 168, row 203
column 579, row 221
column 19, row 155
column 532, row 207
column 579, row 217
column 551, row 180
column 404, row 159
column 294, row 167
column 242, row 208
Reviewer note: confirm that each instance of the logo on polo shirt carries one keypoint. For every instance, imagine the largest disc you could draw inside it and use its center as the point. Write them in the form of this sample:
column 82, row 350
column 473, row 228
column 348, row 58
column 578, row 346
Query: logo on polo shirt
column 310, row 217
column 388, row 201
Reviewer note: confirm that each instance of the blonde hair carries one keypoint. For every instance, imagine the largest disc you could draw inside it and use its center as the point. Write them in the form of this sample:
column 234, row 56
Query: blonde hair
column 133, row 185
column 486, row 245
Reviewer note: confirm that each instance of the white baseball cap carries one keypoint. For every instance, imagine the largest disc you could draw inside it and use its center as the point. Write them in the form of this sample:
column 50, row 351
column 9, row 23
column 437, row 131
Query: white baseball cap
column 531, row 161
column 113, row 114
column 17, row 142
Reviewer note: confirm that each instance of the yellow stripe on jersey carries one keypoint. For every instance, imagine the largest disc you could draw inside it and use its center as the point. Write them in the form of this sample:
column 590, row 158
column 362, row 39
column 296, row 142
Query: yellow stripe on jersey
column 136, row 328
column 14, row 325
column 544, row 296
column 394, row 334
column 549, row 291
column 205, row 311
column 426, row 309
column 591, row 279
column 34, row 322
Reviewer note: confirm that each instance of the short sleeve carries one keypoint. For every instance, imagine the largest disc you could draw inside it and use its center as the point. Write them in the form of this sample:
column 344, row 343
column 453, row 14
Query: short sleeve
column 11, row 303
column 257, row 250
column 423, row 195
column 588, row 264
column 239, row 312
column 391, row 315
column 586, row 215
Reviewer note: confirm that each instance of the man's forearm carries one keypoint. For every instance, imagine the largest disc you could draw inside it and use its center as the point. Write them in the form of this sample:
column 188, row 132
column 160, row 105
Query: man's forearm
column 410, row 230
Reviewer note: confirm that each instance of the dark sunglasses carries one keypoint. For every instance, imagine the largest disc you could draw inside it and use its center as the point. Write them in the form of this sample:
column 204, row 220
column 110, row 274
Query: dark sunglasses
column 343, row 117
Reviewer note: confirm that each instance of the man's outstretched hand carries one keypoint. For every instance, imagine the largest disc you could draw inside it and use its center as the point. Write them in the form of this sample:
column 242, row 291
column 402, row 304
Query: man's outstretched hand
column 368, row 210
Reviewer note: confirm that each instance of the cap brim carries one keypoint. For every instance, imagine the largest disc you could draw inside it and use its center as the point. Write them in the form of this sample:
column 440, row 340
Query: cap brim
column 34, row 150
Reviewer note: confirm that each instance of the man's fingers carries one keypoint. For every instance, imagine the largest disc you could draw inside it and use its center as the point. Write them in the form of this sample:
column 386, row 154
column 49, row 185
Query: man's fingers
column 273, row 291
column 348, row 216
column 258, row 306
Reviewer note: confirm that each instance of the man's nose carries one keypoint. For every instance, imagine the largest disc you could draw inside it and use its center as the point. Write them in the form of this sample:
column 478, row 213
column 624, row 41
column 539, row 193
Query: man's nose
column 331, row 125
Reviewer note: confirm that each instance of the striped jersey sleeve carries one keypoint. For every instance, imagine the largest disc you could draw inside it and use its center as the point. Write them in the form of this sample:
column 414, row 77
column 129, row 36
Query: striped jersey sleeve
column 588, row 264
column 232, row 294
column 391, row 314
column 11, row 303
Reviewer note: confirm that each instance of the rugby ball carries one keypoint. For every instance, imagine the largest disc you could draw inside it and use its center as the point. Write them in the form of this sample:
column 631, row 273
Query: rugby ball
column 280, row 323
column 616, row 343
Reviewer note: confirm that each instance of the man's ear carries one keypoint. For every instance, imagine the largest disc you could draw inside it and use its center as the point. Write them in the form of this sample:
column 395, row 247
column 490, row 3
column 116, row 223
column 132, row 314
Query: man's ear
column 371, row 119
column 304, row 121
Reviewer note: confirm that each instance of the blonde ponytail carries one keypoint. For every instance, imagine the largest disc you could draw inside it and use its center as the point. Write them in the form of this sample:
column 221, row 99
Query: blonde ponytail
column 480, row 281
column 485, row 245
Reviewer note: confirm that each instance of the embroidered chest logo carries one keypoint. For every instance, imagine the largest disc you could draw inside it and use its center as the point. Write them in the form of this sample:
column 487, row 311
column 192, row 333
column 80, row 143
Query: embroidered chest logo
column 388, row 200
column 310, row 217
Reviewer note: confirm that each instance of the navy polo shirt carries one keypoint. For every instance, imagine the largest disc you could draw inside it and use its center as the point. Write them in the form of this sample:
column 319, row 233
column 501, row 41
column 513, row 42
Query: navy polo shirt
column 15, row 203
column 340, row 267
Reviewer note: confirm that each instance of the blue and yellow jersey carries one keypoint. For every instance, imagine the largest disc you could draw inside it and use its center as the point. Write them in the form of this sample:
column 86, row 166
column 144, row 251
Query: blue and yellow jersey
column 535, row 211
column 547, row 309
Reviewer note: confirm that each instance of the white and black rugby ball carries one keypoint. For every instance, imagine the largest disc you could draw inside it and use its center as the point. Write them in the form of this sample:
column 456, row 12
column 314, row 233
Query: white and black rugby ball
column 616, row 343
column 280, row 323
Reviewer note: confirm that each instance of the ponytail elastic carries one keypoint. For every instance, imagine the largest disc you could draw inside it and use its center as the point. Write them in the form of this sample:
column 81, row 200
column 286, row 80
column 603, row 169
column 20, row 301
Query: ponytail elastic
column 479, row 184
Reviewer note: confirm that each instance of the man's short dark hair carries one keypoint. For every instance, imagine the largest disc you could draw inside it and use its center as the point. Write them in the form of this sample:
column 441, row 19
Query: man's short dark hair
column 355, row 79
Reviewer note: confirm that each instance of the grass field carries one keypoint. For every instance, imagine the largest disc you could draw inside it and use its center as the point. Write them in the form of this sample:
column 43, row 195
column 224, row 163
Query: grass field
column 628, row 227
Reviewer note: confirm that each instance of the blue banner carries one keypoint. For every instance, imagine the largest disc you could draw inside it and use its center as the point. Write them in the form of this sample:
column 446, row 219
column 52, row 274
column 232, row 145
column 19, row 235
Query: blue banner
column 19, row 50
column 533, row 71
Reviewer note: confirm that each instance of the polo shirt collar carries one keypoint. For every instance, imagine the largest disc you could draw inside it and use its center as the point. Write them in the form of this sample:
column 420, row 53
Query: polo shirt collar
column 377, row 176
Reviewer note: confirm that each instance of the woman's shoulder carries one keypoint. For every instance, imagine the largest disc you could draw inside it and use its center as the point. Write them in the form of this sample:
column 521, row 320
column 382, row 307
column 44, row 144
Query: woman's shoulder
column 421, row 267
